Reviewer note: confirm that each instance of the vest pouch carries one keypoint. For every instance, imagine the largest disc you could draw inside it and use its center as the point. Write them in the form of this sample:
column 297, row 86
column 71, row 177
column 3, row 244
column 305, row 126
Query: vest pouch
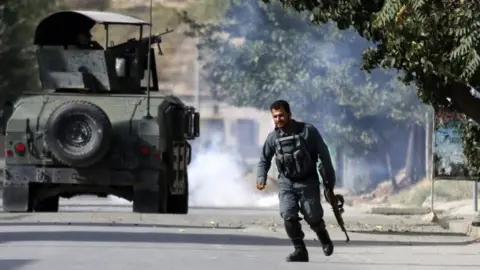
column 289, row 165
column 279, row 163
column 292, row 157
column 300, row 159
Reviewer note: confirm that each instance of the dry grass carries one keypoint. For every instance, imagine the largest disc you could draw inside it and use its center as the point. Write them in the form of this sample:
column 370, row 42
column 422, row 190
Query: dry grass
column 443, row 190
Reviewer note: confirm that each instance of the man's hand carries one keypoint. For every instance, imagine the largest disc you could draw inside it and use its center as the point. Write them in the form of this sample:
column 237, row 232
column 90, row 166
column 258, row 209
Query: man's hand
column 335, row 199
column 330, row 196
column 261, row 186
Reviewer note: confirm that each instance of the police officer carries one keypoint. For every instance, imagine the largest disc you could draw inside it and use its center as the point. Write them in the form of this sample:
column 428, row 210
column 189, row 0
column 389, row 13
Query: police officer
column 297, row 147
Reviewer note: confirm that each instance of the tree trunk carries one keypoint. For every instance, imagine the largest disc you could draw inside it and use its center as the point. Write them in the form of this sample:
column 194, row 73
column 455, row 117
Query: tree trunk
column 410, row 156
column 349, row 180
column 390, row 172
column 420, row 154
column 339, row 163
column 428, row 146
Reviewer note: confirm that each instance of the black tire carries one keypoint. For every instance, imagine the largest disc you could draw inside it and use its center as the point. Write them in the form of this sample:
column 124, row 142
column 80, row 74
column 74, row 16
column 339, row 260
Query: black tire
column 93, row 124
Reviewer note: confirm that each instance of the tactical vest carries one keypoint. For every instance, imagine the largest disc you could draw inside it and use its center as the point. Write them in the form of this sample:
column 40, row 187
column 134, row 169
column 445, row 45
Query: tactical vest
column 292, row 157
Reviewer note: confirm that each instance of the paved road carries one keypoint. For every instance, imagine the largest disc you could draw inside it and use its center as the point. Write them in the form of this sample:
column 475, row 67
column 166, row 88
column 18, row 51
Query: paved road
column 85, row 236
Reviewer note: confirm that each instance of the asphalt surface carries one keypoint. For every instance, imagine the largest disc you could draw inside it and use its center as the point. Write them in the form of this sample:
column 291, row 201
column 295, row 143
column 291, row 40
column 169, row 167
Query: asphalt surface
column 96, row 234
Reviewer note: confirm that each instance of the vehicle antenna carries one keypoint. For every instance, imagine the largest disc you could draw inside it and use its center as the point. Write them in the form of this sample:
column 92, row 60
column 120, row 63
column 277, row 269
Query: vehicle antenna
column 148, row 116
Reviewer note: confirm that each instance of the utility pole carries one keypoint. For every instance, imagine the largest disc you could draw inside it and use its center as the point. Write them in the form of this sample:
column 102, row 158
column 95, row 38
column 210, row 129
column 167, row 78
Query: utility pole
column 196, row 74
column 429, row 121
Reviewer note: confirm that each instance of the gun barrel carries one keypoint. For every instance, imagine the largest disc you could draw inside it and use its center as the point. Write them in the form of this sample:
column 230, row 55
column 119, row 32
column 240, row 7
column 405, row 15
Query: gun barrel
column 332, row 199
column 346, row 236
column 157, row 37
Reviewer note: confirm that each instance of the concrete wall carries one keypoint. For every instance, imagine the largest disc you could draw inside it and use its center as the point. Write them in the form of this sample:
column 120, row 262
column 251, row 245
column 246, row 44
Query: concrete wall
column 241, row 128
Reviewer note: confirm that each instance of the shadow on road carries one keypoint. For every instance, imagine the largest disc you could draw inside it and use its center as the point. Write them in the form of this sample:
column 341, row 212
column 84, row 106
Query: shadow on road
column 408, row 233
column 118, row 225
column 79, row 207
column 183, row 238
column 406, row 264
column 14, row 264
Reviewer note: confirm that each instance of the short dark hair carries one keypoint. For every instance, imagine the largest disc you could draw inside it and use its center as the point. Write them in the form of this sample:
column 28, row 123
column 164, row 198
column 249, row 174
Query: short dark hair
column 278, row 104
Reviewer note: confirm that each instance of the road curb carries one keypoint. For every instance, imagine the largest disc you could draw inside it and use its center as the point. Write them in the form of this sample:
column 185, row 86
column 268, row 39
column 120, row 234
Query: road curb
column 464, row 227
column 400, row 211
column 461, row 226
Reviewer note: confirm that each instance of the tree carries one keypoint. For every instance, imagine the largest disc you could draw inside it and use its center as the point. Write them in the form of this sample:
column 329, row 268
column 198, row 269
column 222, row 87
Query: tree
column 434, row 44
column 257, row 54
column 18, row 20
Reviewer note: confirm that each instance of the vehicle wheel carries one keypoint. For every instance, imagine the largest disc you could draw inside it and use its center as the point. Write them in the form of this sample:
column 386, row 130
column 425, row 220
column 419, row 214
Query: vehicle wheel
column 78, row 133
column 178, row 204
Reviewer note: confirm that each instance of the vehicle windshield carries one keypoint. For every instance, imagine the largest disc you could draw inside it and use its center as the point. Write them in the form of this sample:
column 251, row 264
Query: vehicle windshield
column 116, row 34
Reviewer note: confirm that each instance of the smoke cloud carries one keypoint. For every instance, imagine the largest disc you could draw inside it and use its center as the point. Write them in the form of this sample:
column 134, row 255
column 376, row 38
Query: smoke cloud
column 371, row 122
column 218, row 179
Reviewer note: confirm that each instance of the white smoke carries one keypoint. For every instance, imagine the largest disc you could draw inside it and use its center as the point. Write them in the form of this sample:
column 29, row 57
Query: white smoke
column 218, row 179
column 117, row 200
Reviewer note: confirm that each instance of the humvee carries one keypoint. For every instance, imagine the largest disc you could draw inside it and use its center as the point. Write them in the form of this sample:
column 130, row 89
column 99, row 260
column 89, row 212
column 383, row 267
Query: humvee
column 94, row 127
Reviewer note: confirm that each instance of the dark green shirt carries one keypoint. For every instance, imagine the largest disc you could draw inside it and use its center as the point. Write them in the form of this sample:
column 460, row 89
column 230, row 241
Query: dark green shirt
column 315, row 143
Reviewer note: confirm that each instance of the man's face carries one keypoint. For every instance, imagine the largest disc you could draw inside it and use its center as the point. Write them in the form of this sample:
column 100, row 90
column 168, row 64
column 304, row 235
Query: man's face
column 83, row 38
column 280, row 117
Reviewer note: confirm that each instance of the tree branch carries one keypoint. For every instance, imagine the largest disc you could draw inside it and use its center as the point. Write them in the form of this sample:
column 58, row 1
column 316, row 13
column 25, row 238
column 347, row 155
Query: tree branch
column 465, row 102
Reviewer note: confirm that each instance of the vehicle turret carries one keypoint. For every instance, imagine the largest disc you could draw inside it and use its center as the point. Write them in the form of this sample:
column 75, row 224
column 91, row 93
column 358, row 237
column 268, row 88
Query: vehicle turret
column 70, row 61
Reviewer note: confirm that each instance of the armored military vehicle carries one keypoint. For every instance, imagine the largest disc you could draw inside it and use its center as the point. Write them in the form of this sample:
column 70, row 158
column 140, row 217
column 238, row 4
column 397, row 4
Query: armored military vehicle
column 96, row 127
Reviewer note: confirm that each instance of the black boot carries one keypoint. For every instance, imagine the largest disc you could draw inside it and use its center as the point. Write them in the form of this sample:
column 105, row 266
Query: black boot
column 300, row 254
column 327, row 244
column 295, row 233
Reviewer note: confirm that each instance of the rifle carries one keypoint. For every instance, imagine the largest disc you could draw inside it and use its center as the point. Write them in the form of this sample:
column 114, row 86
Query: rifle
column 336, row 201
column 132, row 43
